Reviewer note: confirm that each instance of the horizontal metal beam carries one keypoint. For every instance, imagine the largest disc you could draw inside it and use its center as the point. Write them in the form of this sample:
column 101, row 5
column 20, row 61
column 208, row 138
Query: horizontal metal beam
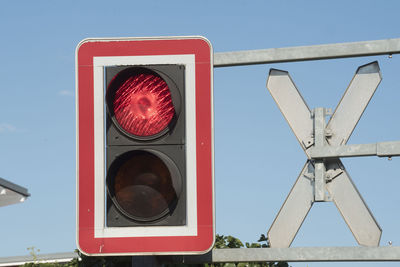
column 41, row 258
column 297, row 254
column 382, row 149
column 305, row 53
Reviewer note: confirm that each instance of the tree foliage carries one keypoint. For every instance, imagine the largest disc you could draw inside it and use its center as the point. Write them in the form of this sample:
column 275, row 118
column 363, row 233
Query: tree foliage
column 221, row 241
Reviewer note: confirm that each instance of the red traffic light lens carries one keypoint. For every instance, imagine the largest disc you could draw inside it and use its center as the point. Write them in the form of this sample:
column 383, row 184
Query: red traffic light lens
column 143, row 187
column 142, row 103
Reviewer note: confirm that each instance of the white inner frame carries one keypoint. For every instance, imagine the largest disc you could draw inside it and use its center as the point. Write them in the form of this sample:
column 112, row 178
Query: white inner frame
column 190, row 229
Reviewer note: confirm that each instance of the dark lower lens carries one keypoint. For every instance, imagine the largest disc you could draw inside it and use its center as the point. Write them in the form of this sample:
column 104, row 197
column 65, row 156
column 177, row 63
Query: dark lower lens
column 143, row 186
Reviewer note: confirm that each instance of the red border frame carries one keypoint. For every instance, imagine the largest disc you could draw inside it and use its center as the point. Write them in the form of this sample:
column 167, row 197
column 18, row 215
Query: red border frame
column 204, row 240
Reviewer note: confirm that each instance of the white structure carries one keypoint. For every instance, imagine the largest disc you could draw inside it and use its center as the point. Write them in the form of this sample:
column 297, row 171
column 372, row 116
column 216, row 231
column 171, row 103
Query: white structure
column 11, row 193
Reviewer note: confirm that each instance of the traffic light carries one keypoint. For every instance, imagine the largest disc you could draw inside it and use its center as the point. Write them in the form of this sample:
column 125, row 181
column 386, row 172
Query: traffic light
column 145, row 144
column 145, row 170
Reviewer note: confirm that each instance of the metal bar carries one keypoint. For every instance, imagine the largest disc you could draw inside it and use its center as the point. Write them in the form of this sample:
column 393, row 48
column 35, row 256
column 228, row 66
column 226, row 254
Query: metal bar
column 148, row 261
column 41, row 258
column 343, row 151
column 382, row 149
column 353, row 103
column 353, row 208
column 342, row 190
column 305, row 53
column 292, row 106
column 297, row 254
column 319, row 141
column 388, row 149
column 293, row 211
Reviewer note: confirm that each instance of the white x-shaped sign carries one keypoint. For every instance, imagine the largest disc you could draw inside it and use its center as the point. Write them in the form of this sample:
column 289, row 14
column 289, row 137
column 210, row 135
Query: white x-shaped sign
column 336, row 184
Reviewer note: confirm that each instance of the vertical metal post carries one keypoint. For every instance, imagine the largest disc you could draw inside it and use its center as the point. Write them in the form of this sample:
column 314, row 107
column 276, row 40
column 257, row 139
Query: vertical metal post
column 145, row 261
column 319, row 141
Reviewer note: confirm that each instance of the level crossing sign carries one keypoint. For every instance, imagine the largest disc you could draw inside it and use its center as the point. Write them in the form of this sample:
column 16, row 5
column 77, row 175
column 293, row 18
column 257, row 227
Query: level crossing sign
column 323, row 177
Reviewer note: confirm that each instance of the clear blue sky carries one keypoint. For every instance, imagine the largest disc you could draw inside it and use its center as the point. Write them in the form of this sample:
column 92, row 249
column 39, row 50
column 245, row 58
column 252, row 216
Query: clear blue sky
column 257, row 158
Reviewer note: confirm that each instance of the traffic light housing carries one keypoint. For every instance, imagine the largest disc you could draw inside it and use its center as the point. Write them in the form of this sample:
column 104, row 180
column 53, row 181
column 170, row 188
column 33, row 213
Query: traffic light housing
column 145, row 143
column 145, row 170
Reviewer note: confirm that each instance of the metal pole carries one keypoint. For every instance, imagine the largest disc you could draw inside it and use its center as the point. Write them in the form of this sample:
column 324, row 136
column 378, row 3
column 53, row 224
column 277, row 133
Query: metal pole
column 145, row 261
column 296, row 254
column 305, row 53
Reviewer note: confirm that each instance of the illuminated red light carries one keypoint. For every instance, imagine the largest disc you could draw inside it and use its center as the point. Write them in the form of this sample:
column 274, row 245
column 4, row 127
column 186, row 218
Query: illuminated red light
column 142, row 104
